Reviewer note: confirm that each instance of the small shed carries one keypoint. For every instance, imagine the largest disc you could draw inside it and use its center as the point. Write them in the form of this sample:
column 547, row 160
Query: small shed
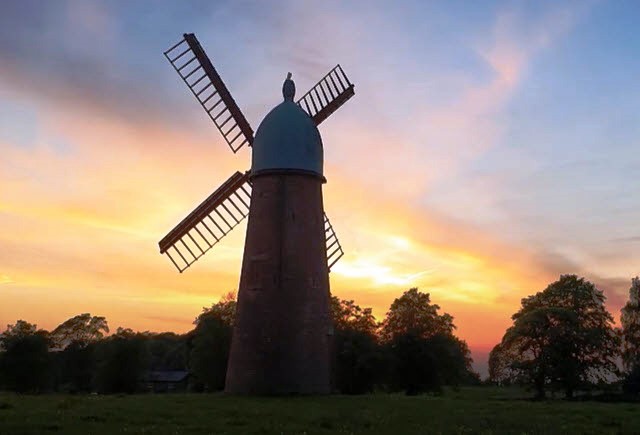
column 166, row 381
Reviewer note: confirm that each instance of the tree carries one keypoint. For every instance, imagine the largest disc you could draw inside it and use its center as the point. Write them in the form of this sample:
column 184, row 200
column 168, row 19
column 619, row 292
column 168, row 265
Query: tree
column 356, row 357
column 75, row 367
column 500, row 359
column 224, row 309
column 25, row 363
column 454, row 360
column 631, row 383
column 630, row 320
column 19, row 330
column 561, row 337
column 81, row 329
column 209, row 344
column 347, row 315
column 121, row 361
column 413, row 313
column 167, row 351
column 424, row 353
column 75, row 339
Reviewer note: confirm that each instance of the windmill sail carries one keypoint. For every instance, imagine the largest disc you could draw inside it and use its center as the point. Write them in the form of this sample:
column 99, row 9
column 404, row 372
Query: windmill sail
column 194, row 67
column 215, row 217
column 334, row 249
column 331, row 92
column 208, row 223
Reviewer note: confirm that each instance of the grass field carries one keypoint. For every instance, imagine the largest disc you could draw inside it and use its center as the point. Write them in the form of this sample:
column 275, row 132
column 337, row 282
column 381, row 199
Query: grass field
column 470, row 410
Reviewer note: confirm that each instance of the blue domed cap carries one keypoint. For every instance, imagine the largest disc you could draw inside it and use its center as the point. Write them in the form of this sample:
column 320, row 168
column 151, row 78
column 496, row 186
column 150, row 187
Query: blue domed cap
column 287, row 139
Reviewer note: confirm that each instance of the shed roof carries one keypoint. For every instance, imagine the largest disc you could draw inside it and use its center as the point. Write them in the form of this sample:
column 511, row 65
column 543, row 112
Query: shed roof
column 166, row 376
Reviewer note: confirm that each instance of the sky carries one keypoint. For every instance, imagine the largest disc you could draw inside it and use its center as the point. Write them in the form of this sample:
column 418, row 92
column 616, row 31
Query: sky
column 490, row 148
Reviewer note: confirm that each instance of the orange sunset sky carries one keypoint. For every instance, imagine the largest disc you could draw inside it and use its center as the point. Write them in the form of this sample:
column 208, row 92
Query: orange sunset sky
column 488, row 149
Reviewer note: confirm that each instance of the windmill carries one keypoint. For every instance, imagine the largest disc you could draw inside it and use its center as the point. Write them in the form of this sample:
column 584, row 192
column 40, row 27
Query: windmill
column 283, row 329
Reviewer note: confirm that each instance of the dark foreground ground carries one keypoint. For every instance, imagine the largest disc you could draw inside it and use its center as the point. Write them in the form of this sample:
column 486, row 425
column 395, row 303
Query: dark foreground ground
column 471, row 410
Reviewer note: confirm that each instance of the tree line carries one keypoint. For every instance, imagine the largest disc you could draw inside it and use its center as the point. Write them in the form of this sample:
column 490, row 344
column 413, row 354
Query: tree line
column 562, row 339
column 413, row 349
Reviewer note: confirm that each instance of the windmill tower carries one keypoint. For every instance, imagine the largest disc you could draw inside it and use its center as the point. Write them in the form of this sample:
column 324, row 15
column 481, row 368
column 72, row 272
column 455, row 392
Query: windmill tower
column 281, row 337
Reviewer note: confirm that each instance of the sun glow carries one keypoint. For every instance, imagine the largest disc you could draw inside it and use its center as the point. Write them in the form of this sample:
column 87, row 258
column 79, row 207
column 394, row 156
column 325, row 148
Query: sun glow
column 374, row 270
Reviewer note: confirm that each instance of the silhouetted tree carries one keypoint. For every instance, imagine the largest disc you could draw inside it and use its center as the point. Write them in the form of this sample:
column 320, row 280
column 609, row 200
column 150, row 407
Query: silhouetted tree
column 562, row 336
column 454, row 360
column 414, row 364
column 500, row 360
column 630, row 320
column 81, row 329
column 355, row 348
column 424, row 353
column 121, row 362
column 167, row 351
column 24, row 364
column 413, row 313
column 224, row 309
column 76, row 367
column 631, row 383
column 346, row 314
column 427, row 364
column 73, row 341
column 209, row 344
column 20, row 329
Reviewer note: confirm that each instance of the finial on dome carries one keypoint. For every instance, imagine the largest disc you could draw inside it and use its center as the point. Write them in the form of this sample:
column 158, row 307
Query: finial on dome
column 288, row 88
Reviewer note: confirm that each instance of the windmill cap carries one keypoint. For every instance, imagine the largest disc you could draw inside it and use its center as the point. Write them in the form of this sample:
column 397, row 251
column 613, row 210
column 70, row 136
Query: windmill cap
column 288, row 88
column 287, row 140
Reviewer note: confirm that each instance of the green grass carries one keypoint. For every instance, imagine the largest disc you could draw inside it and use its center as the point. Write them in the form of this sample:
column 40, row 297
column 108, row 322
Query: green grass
column 469, row 411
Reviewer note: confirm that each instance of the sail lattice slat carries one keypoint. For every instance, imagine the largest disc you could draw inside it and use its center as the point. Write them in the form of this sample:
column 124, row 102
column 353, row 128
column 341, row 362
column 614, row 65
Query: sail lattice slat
column 331, row 92
column 196, row 70
column 208, row 223
column 334, row 249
